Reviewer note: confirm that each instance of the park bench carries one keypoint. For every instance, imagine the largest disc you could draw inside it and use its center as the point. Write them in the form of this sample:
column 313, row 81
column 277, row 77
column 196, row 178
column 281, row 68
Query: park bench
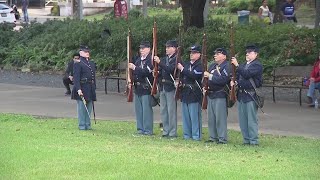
column 289, row 77
column 117, row 74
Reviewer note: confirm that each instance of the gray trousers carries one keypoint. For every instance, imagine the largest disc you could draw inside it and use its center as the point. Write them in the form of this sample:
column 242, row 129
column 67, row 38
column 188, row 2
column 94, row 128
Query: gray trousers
column 248, row 122
column 83, row 117
column 217, row 119
column 192, row 121
column 144, row 114
column 168, row 112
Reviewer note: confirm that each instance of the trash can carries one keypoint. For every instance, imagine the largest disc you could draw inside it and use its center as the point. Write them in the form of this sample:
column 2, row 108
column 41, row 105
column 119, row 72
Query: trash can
column 243, row 17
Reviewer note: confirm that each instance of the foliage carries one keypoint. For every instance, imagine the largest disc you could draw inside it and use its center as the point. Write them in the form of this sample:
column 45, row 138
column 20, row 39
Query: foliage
column 220, row 10
column 55, row 149
column 50, row 45
column 250, row 5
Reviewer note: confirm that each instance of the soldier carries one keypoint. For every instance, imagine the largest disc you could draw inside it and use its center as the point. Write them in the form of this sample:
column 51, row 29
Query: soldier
column 68, row 77
column 248, row 73
column 84, row 86
column 217, row 97
column 143, row 79
column 168, row 104
column 191, row 95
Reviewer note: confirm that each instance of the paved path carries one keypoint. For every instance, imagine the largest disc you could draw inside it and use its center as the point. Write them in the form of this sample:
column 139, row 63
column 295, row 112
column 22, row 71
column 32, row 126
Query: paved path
column 283, row 118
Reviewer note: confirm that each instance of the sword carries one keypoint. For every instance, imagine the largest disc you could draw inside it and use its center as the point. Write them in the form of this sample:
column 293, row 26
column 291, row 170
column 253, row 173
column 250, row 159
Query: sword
column 255, row 101
column 85, row 105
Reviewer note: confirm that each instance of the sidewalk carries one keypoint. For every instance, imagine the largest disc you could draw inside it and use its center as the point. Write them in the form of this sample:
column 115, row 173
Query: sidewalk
column 282, row 118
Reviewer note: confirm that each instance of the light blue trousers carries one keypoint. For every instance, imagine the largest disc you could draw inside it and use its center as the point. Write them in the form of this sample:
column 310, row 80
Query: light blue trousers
column 217, row 119
column 25, row 15
column 192, row 121
column 83, row 117
column 144, row 114
column 168, row 112
column 248, row 122
column 311, row 91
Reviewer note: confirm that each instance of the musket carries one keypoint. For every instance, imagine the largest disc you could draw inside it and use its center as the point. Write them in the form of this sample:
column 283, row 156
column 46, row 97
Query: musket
column 233, row 74
column 176, row 74
column 205, row 68
column 154, row 53
column 85, row 105
column 129, row 71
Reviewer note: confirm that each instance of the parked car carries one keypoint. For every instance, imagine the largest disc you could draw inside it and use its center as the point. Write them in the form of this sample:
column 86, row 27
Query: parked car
column 7, row 14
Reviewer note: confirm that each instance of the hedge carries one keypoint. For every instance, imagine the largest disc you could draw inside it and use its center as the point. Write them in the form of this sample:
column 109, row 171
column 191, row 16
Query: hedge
column 49, row 46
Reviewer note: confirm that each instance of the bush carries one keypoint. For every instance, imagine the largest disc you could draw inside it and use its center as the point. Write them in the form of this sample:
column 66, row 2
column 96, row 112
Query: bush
column 250, row 5
column 50, row 45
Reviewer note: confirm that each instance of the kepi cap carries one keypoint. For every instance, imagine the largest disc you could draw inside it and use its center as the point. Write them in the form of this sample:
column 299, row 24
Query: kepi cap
column 252, row 48
column 195, row 48
column 221, row 50
column 84, row 48
column 144, row 44
column 171, row 43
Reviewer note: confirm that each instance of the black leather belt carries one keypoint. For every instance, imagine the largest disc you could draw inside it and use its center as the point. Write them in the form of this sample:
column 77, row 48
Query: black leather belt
column 85, row 80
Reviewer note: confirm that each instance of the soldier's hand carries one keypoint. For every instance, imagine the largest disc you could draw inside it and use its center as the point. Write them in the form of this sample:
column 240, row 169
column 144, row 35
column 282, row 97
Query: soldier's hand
column 176, row 83
column 80, row 92
column 206, row 74
column 132, row 66
column 71, row 78
column 204, row 91
column 232, row 83
column 179, row 66
column 156, row 59
column 234, row 61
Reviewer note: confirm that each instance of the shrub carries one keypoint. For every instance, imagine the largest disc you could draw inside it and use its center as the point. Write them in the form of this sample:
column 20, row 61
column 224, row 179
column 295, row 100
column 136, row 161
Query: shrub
column 250, row 5
column 50, row 45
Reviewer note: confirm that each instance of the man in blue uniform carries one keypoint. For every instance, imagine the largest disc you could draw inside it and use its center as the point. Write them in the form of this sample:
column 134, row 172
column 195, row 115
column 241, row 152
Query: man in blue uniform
column 247, row 106
column 68, row 77
column 217, row 97
column 168, row 104
column 84, row 86
column 191, row 95
column 143, row 79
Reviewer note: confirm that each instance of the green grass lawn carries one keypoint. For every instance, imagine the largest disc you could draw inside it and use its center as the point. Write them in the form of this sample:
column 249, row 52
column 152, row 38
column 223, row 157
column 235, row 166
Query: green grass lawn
column 34, row 148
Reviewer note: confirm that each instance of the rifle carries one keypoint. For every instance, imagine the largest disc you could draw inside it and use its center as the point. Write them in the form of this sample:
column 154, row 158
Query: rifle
column 176, row 75
column 154, row 53
column 232, row 93
column 205, row 68
column 129, row 71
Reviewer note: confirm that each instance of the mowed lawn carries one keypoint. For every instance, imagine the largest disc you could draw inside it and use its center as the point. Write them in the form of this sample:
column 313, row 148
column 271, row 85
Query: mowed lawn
column 39, row 148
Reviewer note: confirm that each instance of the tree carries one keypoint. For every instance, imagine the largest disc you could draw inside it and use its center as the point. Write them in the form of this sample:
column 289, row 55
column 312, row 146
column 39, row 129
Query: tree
column 277, row 18
column 317, row 14
column 192, row 13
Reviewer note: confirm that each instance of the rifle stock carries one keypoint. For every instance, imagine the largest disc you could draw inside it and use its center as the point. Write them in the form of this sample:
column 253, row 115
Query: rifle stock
column 205, row 68
column 233, row 77
column 129, row 71
column 155, row 65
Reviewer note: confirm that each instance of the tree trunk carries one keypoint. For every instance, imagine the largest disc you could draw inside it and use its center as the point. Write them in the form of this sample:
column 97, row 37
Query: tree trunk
column 277, row 18
column 145, row 14
column 317, row 14
column 192, row 13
